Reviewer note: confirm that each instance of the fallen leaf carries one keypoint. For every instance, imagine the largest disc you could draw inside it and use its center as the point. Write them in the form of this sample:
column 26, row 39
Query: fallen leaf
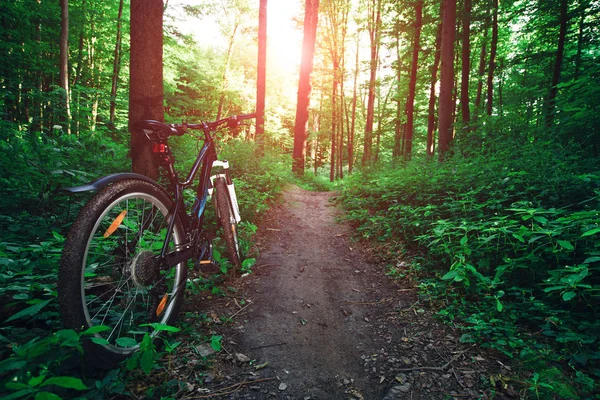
column 261, row 366
column 282, row 386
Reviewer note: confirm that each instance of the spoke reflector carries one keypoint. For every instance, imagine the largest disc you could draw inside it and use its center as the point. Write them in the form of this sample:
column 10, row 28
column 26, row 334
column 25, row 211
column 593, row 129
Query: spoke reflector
column 116, row 223
column 161, row 305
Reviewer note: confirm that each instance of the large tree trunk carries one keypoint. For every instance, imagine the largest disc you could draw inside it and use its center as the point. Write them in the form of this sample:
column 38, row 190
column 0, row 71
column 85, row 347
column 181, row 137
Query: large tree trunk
column 432, row 96
column 466, row 65
column 64, row 60
column 410, row 101
column 446, row 107
column 261, row 68
column 145, row 80
column 491, row 70
column 116, row 70
column 374, row 25
column 557, row 63
column 306, row 66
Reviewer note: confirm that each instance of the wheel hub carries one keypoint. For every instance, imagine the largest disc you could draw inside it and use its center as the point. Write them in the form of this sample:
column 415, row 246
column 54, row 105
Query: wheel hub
column 144, row 269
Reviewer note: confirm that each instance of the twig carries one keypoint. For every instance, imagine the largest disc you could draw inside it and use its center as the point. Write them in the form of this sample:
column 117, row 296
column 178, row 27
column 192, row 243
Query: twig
column 240, row 310
column 230, row 389
column 370, row 302
column 442, row 368
column 268, row 345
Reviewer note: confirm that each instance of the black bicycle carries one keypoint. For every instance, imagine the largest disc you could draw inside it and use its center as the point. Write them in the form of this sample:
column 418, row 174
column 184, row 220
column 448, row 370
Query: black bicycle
column 124, row 264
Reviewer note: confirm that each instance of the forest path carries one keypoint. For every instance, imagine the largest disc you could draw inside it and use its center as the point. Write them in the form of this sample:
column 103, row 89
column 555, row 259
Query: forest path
column 330, row 324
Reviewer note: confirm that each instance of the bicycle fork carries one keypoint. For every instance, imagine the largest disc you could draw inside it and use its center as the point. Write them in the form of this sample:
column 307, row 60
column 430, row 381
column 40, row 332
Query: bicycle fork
column 230, row 187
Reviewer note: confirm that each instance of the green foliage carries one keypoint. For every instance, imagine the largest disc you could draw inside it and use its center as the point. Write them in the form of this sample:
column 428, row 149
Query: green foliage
column 508, row 241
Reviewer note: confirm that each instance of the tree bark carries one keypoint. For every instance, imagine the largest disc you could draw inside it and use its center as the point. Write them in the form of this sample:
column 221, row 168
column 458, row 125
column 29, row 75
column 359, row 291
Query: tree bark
column 116, row 69
column 492, row 67
column 353, row 126
column 374, row 24
column 410, row 101
column 64, row 60
column 564, row 6
column 481, row 71
column 432, row 96
column 145, row 80
column 466, row 65
column 261, row 70
column 304, row 87
column 446, row 107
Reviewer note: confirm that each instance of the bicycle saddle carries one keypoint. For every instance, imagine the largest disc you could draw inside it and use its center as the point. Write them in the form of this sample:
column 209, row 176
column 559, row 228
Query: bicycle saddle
column 155, row 130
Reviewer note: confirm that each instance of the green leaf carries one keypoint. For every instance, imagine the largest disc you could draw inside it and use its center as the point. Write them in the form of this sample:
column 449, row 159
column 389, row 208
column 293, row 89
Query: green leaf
column 95, row 329
column 67, row 382
column 68, row 337
column 147, row 361
column 162, row 327
column 518, row 237
column 450, row 275
column 126, row 342
column 464, row 240
column 565, row 244
column 215, row 342
column 11, row 364
column 100, row 341
column 499, row 306
column 591, row 232
column 33, row 382
column 47, row 396
column 29, row 311
column 17, row 386
column 568, row 295
column 18, row 394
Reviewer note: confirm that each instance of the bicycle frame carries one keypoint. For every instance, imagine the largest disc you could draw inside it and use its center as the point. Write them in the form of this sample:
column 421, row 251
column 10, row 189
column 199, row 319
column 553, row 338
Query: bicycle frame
column 206, row 159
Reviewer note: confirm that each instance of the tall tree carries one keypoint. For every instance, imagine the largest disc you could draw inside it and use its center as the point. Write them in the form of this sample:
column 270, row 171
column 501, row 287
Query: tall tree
column 374, row 28
column 261, row 67
column 466, row 65
column 311, row 14
column 492, row 67
column 481, row 70
column 446, row 107
column 410, row 101
column 64, row 59
column 557, row 62
column 432, row 96
column 145, row 79
column 116, row 68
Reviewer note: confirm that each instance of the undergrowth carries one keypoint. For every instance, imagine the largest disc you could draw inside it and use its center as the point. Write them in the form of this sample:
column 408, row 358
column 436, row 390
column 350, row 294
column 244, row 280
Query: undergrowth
column 506, row 240
column 39, row 359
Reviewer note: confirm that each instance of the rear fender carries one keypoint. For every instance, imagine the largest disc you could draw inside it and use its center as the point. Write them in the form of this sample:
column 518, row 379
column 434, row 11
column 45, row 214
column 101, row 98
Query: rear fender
column 107, row 180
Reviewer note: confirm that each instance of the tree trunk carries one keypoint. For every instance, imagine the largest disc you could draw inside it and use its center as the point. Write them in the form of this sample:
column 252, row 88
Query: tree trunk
column 145, row 80
column 558, row 62
column 446, row 107
column 481, row 71
column 494, row 45
column 466, row 65
column 352, row 128
column 226, row 70
column 410, row 101
column 374, row 24
column 116, row 70
column 432, row 96
column 333, row 125
column 306, row 66
column 64, row 60
column 261, row 68
column 398, row 122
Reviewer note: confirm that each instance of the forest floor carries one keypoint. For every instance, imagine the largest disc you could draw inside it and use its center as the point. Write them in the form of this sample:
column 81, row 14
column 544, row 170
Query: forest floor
column 319, row 319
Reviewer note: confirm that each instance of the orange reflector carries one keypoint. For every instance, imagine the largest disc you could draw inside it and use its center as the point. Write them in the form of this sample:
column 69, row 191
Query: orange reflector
column 161, row 305
column 116, row 223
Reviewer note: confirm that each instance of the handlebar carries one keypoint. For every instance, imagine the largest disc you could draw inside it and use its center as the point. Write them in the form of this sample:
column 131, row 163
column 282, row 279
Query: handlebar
column 156, row 130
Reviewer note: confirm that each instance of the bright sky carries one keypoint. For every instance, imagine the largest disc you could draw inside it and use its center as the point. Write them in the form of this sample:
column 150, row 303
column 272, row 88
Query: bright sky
column 284, row 39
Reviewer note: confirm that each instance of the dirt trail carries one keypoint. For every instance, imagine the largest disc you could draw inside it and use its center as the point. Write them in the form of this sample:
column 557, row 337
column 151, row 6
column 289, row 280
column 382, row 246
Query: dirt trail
column 331, row 325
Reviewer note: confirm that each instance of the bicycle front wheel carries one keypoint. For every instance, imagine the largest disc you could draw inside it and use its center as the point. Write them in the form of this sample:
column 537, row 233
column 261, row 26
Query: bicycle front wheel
column 110, row 274
column 228, row 223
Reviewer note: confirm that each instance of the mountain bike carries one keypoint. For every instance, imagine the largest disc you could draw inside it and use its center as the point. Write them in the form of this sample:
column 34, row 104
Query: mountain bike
column 123, row 269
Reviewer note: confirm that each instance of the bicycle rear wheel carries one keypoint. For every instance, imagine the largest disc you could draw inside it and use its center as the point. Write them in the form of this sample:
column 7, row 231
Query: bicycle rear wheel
column 109, row 272
column 227, row 222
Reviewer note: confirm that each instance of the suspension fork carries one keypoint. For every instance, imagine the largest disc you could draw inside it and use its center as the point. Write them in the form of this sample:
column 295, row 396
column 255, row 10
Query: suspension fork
column 230, row 187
